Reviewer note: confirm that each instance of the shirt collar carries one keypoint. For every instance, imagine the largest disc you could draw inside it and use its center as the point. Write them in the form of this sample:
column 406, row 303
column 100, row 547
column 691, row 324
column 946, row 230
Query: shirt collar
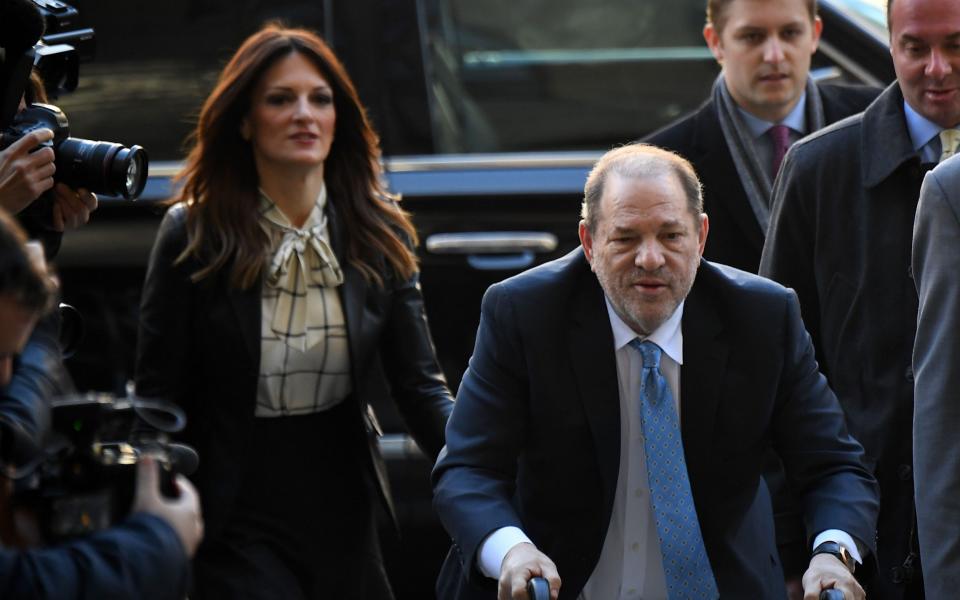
column 795, row 120
column 669, row 336
column 921, row 129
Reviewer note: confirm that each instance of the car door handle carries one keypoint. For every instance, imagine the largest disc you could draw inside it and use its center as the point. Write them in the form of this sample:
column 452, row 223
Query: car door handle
column 494, row 250
column 491, row 242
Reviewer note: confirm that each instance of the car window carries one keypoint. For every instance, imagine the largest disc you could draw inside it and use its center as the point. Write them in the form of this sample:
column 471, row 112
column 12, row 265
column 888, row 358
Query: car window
column 870, row 14
column 565, row 74
column 156, row 62
column 437, row 76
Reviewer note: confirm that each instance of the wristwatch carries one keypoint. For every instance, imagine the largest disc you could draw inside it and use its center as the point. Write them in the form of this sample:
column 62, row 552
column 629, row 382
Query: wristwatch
column 839, row 551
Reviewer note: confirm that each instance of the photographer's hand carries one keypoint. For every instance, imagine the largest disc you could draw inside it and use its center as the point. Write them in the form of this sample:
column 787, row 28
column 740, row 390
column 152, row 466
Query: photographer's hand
column 24, row 175
column 182, row 513
column 72, row 208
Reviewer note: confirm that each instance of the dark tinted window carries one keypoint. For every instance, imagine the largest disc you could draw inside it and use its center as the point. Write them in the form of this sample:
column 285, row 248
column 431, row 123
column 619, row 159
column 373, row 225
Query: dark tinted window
column 157, row 61
column 438, row 76
column 563, row 74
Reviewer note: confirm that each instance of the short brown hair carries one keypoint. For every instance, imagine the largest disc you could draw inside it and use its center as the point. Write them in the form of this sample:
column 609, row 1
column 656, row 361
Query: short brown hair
column 639, row 160
column 716, row 9
column 21, row 279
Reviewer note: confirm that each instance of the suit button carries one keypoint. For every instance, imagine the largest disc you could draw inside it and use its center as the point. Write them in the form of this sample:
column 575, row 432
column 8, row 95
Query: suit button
column 910, row 271
column 904, row 472
column 908, row 373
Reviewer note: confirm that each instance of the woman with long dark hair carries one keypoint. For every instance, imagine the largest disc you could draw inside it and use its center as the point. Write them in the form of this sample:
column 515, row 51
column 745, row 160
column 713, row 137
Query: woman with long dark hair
column 281, row 298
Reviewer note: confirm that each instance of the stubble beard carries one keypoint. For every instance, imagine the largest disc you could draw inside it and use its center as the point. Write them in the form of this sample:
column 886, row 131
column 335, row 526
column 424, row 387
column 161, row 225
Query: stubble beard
column 645, row 317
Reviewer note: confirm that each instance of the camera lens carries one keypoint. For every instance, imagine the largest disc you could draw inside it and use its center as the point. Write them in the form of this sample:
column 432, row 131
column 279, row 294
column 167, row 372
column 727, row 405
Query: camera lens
column 102, row 167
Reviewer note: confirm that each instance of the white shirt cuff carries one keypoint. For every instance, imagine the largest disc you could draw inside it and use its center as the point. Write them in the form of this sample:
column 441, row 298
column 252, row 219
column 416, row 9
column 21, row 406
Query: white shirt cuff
column 844, row 539
column 494, row 548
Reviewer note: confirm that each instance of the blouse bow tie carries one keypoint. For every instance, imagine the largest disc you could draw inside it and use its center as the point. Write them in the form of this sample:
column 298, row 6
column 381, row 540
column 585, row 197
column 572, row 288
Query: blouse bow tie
column 303, row 267
column 304, row 254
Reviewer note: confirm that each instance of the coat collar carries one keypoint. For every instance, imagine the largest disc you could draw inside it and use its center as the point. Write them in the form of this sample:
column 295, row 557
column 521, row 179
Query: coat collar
column 885, row 143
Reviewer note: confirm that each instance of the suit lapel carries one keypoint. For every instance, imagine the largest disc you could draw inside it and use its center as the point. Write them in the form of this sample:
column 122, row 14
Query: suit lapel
column 590, row 344
column 247, row 307
column 354, row 289
column 704, row 365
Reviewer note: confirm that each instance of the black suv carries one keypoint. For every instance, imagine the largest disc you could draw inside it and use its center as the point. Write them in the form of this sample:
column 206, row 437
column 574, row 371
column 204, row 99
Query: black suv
column 491, row 114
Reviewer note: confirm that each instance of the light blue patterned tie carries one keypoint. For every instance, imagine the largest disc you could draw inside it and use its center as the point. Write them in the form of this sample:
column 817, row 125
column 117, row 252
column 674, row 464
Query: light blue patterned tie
column 685, row 563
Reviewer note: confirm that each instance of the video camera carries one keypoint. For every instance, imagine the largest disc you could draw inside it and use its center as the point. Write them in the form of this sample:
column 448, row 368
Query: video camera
column 101, row 167
column 84, row 479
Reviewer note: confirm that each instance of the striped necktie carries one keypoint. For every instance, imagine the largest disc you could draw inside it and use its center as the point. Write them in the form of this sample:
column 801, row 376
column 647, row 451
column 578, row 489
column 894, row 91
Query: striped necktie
column 949, row 139
column 685, row 563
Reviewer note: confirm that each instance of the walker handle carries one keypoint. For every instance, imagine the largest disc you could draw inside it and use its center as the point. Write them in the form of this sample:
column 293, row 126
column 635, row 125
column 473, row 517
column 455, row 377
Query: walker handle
column 539, row 589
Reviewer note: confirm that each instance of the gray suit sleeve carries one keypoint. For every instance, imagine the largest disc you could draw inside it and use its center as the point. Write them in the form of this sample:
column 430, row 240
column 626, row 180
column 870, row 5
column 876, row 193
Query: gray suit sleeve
column 936, row 264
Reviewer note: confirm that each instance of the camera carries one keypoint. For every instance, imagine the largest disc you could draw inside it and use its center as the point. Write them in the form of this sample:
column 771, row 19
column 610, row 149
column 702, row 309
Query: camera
column 84, row 479
column 101, row 167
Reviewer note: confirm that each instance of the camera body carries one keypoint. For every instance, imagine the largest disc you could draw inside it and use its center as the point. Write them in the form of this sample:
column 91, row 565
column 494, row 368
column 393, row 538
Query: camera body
column 101, row 167
column 84, row 479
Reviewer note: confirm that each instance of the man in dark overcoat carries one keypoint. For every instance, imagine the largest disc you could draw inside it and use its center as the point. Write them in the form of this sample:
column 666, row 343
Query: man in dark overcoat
column 763, row 92
column 841, row 234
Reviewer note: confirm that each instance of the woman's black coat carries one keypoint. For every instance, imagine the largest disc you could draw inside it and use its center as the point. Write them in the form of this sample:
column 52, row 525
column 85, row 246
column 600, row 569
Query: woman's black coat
column 199, row 345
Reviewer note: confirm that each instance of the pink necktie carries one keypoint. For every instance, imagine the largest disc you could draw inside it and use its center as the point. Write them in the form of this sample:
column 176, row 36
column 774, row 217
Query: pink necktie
column 780, row 134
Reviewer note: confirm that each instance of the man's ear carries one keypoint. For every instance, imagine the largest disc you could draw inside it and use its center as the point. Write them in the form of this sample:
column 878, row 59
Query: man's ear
column 702, row 234
column 817, row 30
column 586, row 240
column 712, row 37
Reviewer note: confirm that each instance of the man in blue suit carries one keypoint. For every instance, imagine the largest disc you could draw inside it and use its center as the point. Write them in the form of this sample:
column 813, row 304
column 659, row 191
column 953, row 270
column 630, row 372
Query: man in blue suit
column 612, row 425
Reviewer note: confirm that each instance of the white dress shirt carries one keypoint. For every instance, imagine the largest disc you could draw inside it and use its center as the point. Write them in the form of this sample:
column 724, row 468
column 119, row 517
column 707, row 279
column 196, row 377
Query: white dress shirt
column 631, row 564
column 924, row 133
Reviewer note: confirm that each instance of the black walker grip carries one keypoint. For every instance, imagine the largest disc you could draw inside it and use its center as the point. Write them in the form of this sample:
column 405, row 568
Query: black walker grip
column 831, row 594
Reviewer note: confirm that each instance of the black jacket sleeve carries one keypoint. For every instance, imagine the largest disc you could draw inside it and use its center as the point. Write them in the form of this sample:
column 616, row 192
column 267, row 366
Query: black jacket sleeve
column 410, row 362
column 163, row 352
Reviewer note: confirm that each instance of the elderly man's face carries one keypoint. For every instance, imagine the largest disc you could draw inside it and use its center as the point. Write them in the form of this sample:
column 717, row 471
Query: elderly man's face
column 925, row 44
column 646, row 247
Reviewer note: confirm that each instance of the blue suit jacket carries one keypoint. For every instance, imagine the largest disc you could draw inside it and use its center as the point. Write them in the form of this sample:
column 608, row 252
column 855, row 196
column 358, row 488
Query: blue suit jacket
column 533, row 440
column 140, row 558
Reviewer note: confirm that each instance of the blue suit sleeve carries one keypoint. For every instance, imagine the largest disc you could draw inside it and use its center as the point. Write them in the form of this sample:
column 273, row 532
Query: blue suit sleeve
column 823, row 462
column 139, row 558
column 475, row 477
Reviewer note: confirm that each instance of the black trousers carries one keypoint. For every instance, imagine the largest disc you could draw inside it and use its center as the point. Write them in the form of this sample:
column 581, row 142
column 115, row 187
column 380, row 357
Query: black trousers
column 303, row 527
